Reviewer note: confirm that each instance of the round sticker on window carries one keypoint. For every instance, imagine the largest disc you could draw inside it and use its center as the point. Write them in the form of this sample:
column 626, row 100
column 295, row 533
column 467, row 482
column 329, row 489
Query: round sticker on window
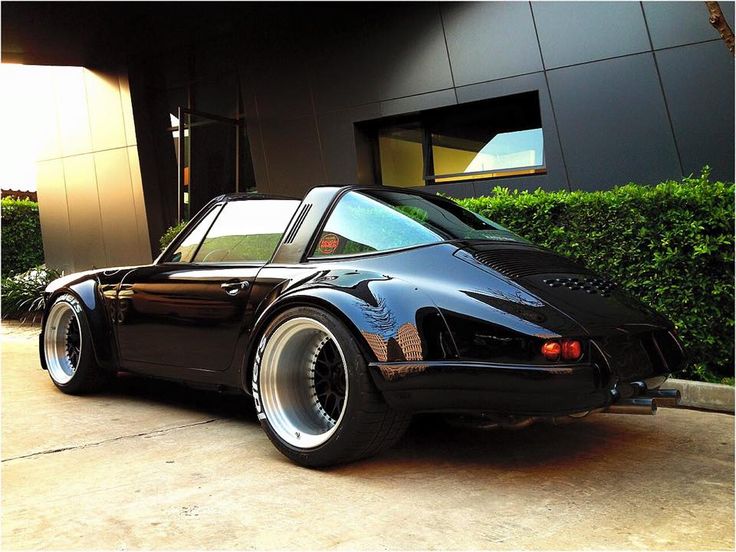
column 328, row 244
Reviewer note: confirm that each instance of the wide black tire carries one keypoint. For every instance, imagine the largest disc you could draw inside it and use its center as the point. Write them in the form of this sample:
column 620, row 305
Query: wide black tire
column 365, row 425
column 67, row 348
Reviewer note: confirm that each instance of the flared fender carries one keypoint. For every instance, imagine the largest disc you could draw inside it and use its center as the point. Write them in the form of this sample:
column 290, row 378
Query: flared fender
column 393, row 320
column 87, row 291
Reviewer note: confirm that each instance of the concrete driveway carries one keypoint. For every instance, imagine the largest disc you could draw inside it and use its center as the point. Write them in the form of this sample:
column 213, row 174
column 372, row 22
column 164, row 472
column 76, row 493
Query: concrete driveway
column 153, row 465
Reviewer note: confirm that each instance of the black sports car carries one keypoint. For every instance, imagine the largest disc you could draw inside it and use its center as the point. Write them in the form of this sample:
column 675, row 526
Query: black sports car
column 347, row 312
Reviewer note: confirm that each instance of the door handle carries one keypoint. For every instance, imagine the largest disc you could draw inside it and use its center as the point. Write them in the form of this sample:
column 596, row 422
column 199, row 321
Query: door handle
column 233, row 288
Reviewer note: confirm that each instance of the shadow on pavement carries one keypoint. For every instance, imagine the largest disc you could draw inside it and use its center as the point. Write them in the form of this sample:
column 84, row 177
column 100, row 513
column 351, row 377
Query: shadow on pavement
column 220, row 405
column 431, row 440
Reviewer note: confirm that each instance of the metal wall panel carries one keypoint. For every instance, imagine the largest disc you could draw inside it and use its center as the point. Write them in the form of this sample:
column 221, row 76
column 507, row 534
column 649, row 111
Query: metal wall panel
column 676, row 23
column 454, row 189
column 105, row 110
column 410, row 49
column 144, row 244
column 701, row 105
column 93, row 213
column 52, row 206
column 282, row 89
column 72, row 112
column 397, row 52
column 613, row 123
column 419, row 102
column 117, row 207
column 127, row 107
column 337, row 138
column 490, row 40
column 43, row 99
column 347, row 73
column 253, row 128
column 293, row 156
column 85, row 224
column 577, row 32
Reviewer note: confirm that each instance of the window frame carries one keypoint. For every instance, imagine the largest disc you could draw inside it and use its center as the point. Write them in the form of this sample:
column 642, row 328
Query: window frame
column 426, row 122
column 165, row 258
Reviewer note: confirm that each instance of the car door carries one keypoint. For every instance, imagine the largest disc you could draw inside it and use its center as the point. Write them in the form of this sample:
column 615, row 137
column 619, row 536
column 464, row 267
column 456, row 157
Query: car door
column 190, row 309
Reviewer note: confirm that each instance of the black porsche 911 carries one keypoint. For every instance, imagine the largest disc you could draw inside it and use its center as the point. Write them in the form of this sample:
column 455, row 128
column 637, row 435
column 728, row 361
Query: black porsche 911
column 347, row 312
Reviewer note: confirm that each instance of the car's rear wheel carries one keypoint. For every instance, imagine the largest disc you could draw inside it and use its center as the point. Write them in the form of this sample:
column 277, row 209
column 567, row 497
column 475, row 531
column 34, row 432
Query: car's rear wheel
column 314, row 395
column 67, row 348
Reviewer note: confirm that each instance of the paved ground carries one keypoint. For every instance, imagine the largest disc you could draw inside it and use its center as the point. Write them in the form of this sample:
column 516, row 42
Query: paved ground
column 153, row 465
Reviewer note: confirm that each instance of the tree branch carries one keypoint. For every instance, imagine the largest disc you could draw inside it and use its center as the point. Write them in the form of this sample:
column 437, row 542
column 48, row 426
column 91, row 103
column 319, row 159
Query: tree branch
column 718, row 21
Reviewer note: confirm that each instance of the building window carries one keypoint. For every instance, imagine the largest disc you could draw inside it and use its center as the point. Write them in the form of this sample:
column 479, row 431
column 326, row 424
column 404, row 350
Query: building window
column 493, row 138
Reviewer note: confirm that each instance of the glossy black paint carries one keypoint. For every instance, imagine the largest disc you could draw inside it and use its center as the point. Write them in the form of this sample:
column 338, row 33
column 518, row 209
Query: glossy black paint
column 451, row 326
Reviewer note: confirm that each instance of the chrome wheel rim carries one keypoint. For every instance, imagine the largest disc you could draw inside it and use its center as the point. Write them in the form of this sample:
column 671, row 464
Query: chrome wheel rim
column 303, row 383
column 62, row 342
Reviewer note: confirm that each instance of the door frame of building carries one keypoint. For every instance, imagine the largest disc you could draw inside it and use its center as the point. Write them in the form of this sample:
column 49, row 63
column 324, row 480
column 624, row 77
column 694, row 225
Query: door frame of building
column 184, row 116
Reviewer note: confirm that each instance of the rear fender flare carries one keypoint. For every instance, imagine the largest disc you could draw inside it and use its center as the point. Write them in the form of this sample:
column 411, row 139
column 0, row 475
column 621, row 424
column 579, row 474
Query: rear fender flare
column 391, row 320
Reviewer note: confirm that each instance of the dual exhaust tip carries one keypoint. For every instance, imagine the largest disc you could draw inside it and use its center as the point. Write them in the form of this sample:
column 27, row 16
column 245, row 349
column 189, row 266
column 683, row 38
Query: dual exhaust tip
column 647, row 402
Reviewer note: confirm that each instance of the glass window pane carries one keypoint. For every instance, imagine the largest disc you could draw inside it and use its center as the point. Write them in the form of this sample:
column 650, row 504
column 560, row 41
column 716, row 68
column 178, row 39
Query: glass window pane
column 247, row 231
column 360, row 224
column 188, row 247
column 444, row 217
column 400, row 149
column 503, row 151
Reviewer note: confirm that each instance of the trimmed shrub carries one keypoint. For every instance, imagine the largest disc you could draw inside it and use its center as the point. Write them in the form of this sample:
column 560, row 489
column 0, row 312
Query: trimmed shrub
column 170, row 234
column 670, row 245
column 21, row 236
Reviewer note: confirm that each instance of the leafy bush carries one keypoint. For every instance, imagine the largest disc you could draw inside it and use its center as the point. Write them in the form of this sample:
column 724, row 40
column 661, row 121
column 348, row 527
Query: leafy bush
column 170, row 234
column 21, row 236
column 671, row 245
column 22, row 293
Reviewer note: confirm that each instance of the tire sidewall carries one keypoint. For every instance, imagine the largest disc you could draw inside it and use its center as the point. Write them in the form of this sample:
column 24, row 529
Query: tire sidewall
column 337, row 447
column 86, row 362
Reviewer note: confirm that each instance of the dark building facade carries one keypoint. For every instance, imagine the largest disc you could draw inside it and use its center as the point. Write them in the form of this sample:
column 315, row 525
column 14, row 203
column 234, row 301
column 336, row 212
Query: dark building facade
column 458, row 97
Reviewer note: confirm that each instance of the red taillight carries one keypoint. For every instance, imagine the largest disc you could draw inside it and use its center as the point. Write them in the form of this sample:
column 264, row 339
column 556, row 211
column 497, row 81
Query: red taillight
column 571, row 349
column 552, row 350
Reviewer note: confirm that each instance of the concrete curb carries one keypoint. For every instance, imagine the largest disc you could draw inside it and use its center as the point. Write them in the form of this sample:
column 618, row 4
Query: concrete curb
column 707, row 396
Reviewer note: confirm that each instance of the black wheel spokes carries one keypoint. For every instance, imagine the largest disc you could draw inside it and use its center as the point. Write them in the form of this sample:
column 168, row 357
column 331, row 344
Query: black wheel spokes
column 72, row 342
column 329, row 381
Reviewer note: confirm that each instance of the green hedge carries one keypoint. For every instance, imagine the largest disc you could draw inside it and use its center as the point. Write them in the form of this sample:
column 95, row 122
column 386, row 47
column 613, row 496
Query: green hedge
column 170, row 234
column 21, row 236
column 671, row 245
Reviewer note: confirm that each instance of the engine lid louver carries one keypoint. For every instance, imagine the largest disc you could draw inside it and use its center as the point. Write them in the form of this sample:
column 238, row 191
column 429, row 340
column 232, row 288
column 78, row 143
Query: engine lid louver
column 517, row 263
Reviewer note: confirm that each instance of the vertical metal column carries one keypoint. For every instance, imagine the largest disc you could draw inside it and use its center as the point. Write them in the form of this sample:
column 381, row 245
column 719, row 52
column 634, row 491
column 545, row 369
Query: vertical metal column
column 237, row 157
column 180, row 179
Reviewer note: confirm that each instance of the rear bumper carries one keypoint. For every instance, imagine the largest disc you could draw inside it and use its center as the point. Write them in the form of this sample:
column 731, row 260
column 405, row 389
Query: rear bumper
column 462, row 386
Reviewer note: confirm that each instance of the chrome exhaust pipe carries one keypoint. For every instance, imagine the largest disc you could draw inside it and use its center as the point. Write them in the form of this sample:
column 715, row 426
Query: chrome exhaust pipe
column 665, row 397
column 645, row 406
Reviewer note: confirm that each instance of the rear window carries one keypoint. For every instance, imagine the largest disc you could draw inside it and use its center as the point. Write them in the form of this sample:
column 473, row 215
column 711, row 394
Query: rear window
column 381, row 220
column 362, row 224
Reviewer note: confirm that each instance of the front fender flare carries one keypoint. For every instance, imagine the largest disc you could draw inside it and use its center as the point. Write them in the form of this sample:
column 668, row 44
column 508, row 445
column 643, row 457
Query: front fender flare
column 98, row 319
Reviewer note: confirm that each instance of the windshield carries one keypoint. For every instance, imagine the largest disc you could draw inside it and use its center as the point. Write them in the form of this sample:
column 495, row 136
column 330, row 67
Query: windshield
column 380, row 220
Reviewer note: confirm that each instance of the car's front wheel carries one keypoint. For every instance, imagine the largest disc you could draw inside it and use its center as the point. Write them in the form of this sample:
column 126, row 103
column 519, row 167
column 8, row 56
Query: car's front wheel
column 67, row 348
column 314, row 395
